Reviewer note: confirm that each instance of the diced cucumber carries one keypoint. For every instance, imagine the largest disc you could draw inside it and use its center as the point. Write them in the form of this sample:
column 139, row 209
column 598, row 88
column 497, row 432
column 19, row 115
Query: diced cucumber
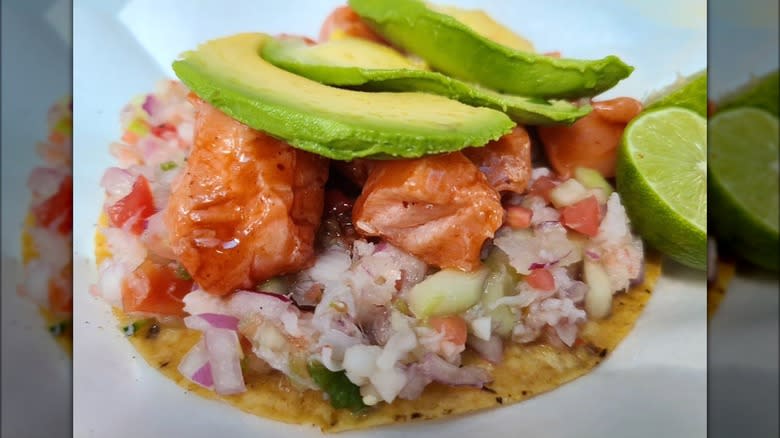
column 568, row 193
column 499, row 283
column 447, row 292
column 277, row 285
column 593, row 179
column 598, row 300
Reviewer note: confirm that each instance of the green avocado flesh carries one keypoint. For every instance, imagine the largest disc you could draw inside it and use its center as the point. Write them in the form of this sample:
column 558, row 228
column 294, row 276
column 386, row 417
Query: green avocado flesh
column 230, row 74
column 369, row 66
column 451, row 47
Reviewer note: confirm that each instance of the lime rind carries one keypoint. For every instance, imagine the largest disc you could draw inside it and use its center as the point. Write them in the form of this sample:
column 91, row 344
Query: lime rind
column 743, row 183
column 661, row 177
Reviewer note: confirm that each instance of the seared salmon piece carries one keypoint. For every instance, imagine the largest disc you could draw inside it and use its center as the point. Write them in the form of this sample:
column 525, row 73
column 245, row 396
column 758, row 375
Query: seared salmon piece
column 439, row 208
column 246, row 207
column 506, row 162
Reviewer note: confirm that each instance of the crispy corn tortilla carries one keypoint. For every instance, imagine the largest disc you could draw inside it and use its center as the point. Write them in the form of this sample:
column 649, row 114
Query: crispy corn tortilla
column 717, row 290
column 30, row 253
column 527, row 370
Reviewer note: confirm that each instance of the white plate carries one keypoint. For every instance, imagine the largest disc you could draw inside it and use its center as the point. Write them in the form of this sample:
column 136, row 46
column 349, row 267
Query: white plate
column 653, row 385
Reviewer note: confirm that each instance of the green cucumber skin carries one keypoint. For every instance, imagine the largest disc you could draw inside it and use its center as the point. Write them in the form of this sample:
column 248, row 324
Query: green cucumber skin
column 454, row 49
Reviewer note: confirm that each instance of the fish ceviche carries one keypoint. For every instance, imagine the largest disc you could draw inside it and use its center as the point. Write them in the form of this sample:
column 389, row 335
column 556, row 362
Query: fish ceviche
column 47, row 234
column 333, row 233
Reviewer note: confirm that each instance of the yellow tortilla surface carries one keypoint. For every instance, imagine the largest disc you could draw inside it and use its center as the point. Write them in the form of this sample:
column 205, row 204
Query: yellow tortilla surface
column 527, row 370
column 30, row 253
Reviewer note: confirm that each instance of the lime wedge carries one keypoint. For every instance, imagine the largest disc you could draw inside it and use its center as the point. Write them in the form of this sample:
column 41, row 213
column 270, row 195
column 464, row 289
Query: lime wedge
column 743, row 172
column 761, row 92
column 662, row 181
column 690, row 92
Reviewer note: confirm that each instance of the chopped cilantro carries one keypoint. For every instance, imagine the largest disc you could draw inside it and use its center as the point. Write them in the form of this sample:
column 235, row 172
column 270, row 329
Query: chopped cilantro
column 182, row 273
column 133, row 328
column 168, row 165
column 343, row 394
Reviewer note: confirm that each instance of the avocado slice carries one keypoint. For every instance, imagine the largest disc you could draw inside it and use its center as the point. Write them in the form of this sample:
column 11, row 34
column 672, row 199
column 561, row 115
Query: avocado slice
column 369, row 66
column 451, row 47
column 483, row 24
column 230, row 74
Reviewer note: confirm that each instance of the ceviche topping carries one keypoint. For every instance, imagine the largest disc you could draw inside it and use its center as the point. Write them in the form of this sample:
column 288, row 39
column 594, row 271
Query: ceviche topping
column 235, row 241
column 368, row 243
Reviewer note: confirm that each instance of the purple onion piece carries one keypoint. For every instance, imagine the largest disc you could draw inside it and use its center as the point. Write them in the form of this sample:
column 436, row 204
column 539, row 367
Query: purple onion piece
column 640, row 278
column 280, row 297
column 203, row 376
column 220, row 321
column 149, row 104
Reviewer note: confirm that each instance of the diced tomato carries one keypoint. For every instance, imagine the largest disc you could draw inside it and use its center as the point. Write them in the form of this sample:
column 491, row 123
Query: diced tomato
column 542, row 186
column 58, row 207
column 453, row 328
column 583, row 216
column 164, row 131
column 518, row 217
column 138, row 205
column 541, row 279
column 155, row 288
column 345, row 20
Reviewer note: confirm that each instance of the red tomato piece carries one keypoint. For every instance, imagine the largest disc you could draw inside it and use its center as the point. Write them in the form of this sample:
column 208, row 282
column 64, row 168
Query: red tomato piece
column 138, row 205
column 541, row 279
column 155, row 288
column 453, row 328
column 58, row 206
column 583, row 216
column 165, row 131
column 518, row 217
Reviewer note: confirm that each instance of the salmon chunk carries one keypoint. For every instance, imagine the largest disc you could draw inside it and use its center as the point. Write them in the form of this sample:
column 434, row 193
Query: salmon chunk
column 246, row 207
column 439, row 208
column 506, row 162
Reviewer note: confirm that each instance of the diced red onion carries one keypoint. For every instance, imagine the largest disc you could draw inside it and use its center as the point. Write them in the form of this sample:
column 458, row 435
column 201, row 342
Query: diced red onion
column 592, row 255
column 195, row 366
column 280, row 297
column 205, row 321
column 117, row 182
column 640, row 278
column 203, row 376
column 224, row 353
column 433, row 366
column 547, row 225
column 150, row 105
column 537, row 265
column 491, row 350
